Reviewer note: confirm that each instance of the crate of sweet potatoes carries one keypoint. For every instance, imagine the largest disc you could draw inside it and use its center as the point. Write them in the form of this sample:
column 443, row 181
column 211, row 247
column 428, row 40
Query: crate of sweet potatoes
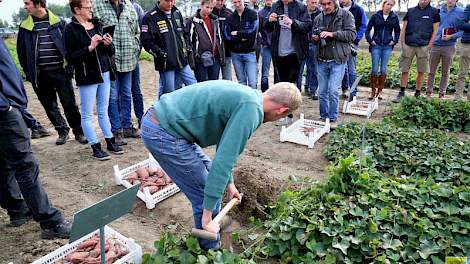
column 155, row 187
column 86, row 250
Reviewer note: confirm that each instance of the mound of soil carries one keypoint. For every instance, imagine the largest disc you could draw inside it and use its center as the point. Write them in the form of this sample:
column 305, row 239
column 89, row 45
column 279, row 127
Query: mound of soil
column 259, row 190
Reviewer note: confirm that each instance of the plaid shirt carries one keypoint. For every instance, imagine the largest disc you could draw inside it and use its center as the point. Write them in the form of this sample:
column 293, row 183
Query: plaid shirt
column 126, row 34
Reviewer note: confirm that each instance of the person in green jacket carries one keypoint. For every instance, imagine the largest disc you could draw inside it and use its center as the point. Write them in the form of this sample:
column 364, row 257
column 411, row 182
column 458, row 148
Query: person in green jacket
column 218, row 112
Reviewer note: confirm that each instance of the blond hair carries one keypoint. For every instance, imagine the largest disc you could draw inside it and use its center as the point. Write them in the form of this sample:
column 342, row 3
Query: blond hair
column 285, row 93
column 385, row 1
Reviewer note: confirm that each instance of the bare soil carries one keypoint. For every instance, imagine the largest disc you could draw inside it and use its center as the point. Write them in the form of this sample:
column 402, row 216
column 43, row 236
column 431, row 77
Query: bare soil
column 74, row 180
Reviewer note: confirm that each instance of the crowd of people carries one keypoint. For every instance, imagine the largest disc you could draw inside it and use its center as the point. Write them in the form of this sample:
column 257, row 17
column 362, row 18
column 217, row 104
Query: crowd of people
column 100, row 50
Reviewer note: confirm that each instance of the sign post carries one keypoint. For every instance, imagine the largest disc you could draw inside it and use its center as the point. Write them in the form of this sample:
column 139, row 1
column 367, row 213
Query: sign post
column 99, row 214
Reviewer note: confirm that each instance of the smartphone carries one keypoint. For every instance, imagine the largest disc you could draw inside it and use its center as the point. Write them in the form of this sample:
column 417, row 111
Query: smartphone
column 109, row 30
column 281, row 17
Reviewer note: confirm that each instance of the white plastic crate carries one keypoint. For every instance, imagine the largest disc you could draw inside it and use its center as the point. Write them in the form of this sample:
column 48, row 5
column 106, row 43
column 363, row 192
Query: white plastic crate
column 361, row 107
column 134, row 256
column 150, row 199
column 295, row 132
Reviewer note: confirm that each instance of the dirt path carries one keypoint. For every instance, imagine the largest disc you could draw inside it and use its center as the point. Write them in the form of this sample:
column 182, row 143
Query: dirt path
column 74, row 180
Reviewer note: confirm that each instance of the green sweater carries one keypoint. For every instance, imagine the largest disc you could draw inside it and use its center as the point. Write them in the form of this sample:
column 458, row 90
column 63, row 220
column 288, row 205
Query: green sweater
column 221, row 113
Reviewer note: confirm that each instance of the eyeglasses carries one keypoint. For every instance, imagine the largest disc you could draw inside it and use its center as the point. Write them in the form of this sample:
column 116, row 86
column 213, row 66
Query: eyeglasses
column 86, row 7
column 325, row 4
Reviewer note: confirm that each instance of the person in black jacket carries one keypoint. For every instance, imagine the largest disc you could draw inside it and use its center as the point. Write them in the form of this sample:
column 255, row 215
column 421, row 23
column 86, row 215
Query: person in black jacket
column 264, row 40
column 241, row 31
column 386, row 25
column 206, row 41
column 21, row 193
column 290, row 22
column 89, row 51
column 163, row 36
column 41, row 54
column 222, row 12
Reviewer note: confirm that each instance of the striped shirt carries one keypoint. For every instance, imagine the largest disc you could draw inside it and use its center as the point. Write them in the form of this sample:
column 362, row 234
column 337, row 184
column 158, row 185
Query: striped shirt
column 48, row 56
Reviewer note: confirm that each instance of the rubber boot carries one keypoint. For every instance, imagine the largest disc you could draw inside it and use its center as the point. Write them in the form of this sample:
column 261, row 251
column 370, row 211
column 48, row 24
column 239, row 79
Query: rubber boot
column 373, row 86
column 381, row 85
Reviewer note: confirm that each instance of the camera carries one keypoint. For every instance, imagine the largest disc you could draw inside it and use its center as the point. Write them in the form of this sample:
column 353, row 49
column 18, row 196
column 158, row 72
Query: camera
column 316, row 31
column 354, row 50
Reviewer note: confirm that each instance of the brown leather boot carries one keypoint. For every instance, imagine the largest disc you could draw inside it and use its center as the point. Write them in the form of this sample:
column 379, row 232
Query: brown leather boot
column 373, row 85
column 381, row 85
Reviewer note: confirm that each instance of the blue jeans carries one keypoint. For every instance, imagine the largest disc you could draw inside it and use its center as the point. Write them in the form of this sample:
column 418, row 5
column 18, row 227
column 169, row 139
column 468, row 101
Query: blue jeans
column 119, row 109
column 301, row 75
column 207, row 73
column 226, row 69
column 246, row 68
column 168, row 79
column 29, row 119
column 137, row 98
column 185, row 163
column 330, row 75
column 380, row 55
column 350, row 74
column 265, row 66
column 88, row 95
column 312, row 82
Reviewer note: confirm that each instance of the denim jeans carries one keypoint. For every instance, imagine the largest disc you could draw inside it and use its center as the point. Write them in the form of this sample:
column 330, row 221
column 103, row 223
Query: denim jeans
column 119, row 109
column 380, row 56
column 185, row 163
column 226, row 69
column 88, row 95
column 207, row 73
column 137, row 98
column 312, row 82
column 301, row 76
column 330, row 75
column 29, row 119
column 20, row 187
column 350, row 74
column 168, row 79
column 265, row 66
column 246, row 68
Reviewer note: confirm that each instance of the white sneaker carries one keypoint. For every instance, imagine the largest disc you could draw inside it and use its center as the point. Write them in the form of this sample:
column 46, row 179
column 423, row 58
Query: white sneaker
column 285, row 121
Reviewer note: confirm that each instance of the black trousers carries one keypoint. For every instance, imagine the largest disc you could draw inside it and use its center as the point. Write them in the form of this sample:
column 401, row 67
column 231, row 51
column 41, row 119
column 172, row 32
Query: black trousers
column 20, row 188
column 51, row 83
column 288, row 68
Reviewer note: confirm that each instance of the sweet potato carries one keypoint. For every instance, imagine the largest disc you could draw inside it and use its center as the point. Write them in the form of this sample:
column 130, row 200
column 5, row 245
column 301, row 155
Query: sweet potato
column 153, row 189
column 167, row 179
column 152, row 171
column 77, row 257
column 110, row 257
column 86, row 244
column 160, row 173
column 142, row 173
column 92, row 261
column 132, row 176
column 160, row 182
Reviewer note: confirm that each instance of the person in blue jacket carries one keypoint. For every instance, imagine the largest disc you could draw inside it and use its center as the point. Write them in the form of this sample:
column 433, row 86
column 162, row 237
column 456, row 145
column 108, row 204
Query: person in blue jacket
column 386, row 25
column 360, row 22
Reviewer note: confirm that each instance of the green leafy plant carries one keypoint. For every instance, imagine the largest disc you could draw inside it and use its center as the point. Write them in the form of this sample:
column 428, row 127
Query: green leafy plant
column 432, row 113
column 362, row 216
column 172, row 250
column 395, row 151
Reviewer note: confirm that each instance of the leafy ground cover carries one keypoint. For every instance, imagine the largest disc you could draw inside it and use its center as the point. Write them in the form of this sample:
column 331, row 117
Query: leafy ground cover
column 364, row 63
column 361, row 216
column 395, row 151
column 432, row 113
